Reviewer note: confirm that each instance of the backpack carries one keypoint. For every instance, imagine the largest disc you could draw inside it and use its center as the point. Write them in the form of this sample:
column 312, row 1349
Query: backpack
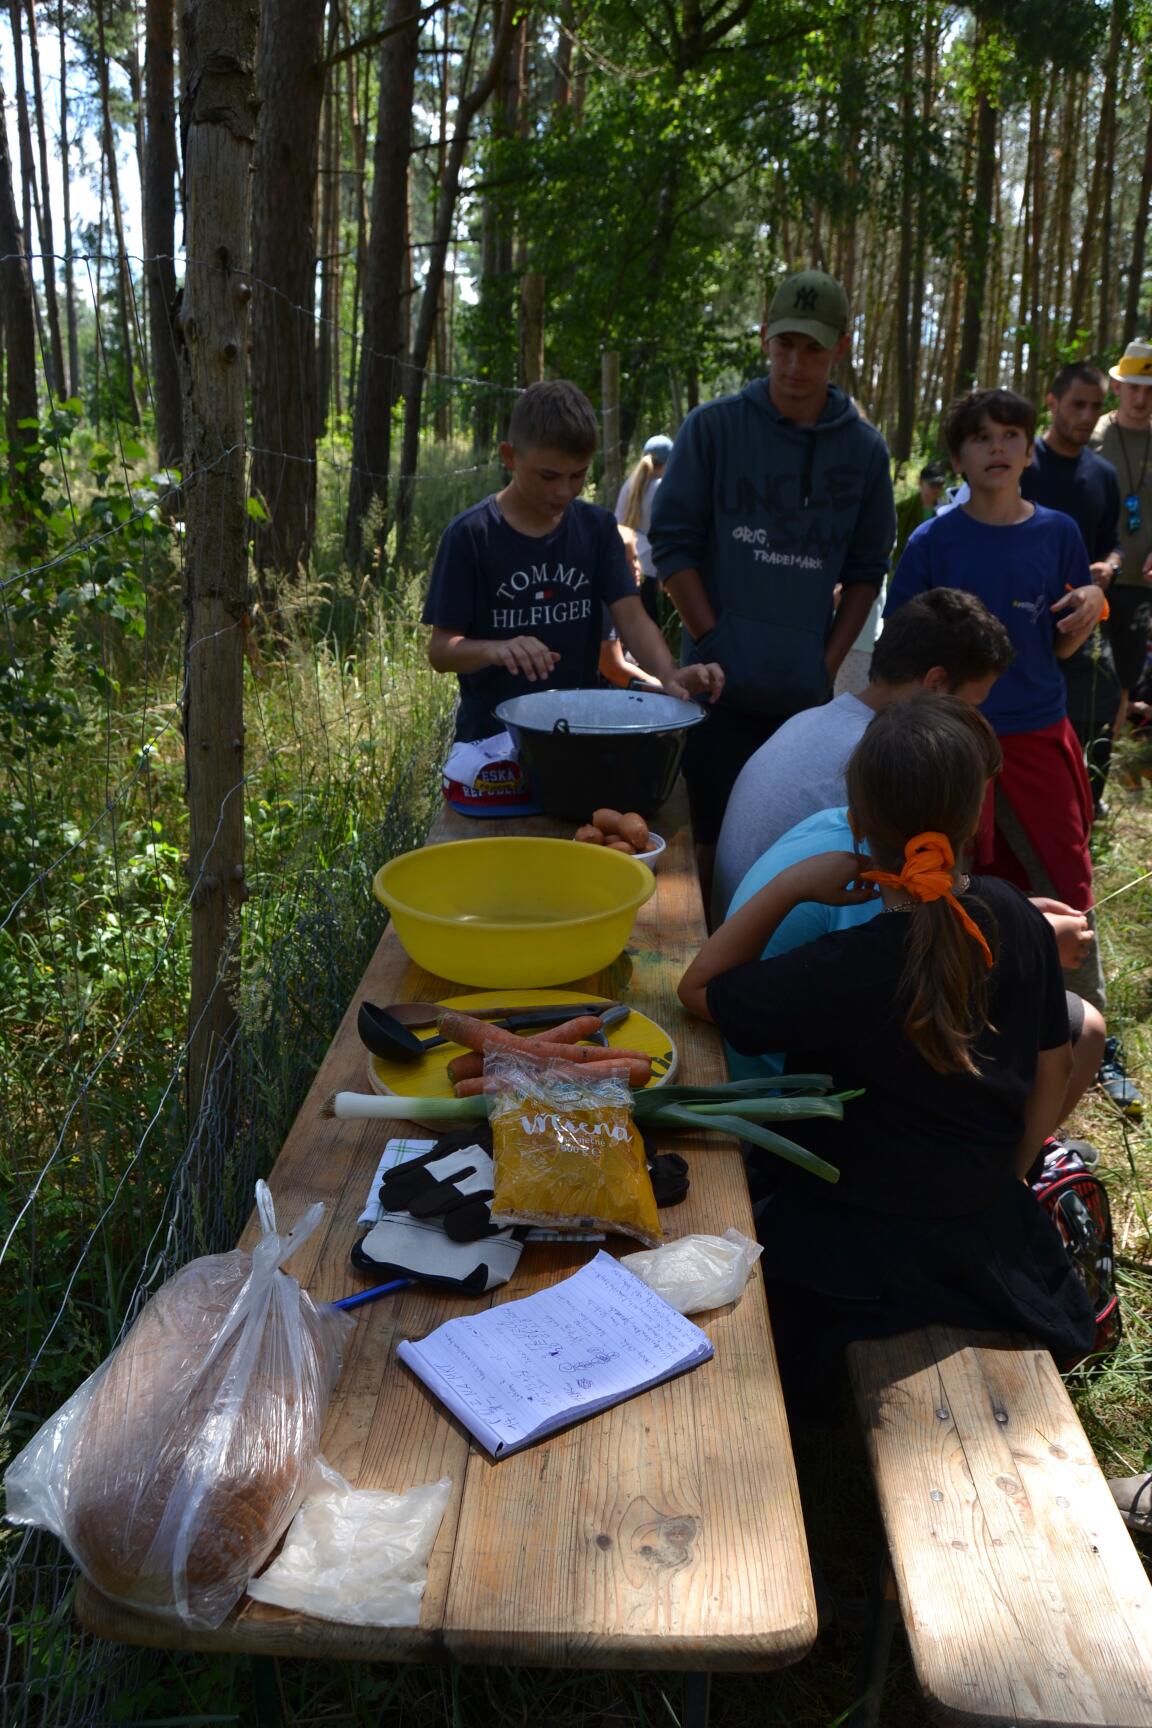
column 1077, row 1202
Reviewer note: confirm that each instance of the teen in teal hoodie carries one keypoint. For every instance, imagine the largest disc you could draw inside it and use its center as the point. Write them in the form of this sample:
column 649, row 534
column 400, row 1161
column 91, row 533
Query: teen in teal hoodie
column 773, row 515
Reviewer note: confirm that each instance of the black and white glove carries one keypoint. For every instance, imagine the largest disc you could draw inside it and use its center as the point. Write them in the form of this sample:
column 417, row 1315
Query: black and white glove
column 437, row 1224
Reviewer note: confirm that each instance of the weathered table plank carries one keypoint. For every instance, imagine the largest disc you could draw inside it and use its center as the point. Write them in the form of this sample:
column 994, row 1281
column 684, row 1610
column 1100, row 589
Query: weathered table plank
column 665, row 1533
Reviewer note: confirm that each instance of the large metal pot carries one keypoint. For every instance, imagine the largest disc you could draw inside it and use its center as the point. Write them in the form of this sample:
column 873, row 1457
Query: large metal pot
column 584, row 749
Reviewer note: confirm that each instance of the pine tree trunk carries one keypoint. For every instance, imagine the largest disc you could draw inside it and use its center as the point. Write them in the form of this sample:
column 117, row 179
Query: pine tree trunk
column 1139, row 242
column 359, row 125
column 1032, row 173
column 123, row 279
column 1108, row 159
column 290, row 90
column 1057, row 293
column 978, row 240
column 1080, row 311
column 1036, row 311
column 907, row 311
column 30, row 197
column 219, row 54
column 16, row 303
column 468, row 106
column 47, row 238
column 158, row 188
column 497, row 287
column 379, row 384
column 328, row 343
column 562, row 59
column 66, row 182
column 927, row 107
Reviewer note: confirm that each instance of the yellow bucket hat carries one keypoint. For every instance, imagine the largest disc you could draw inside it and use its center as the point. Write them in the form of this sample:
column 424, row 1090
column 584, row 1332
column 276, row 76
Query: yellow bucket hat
column 1134, row 365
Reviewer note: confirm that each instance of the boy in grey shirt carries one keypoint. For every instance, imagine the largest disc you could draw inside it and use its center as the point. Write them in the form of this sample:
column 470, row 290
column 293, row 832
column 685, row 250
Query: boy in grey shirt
column 944, row 640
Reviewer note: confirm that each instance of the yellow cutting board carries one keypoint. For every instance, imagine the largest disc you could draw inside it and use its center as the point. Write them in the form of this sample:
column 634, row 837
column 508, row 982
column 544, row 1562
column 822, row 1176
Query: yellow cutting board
column 428, row 1078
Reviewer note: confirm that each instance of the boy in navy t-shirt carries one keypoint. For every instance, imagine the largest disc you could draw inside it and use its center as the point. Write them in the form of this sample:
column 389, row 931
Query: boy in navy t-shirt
column 1030, row 568
column 520, row 580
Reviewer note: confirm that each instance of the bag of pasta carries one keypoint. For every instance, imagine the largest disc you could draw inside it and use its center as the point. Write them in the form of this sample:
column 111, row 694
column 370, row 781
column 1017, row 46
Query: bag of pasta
column 568, row 1155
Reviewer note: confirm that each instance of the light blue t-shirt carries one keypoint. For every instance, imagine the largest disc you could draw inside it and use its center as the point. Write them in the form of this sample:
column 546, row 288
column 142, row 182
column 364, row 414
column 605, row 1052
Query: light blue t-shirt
column 826, row 831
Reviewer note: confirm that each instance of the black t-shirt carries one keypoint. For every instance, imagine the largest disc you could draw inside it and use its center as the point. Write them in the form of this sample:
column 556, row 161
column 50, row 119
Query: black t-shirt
column 918, row 1143
column 491, row 582
column 1084, row 487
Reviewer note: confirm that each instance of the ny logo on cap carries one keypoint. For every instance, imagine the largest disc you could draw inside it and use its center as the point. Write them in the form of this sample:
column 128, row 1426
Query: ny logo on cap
column 805, row 300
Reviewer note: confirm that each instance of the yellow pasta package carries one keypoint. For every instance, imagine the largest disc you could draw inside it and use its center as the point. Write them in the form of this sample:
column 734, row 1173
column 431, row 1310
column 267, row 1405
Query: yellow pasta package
column 568, row 1155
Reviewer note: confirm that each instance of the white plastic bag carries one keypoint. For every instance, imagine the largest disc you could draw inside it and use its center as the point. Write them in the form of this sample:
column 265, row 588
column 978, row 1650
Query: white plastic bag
column 697, row 1272
column 170, row 1474
column 357, row 1555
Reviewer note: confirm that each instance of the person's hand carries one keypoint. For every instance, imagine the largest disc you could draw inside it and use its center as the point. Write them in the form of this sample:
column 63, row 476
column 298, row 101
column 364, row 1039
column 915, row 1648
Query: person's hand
column 1146, row 572
column 1075, row 937
column 1082, row 608
column 831, row 878
column 1057, row 908
column 1103, row 573
column 705, row 678
column 526, row 656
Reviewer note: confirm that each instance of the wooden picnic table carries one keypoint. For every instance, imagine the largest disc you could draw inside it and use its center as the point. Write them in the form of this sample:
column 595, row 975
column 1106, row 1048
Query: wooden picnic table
column 665, row 1533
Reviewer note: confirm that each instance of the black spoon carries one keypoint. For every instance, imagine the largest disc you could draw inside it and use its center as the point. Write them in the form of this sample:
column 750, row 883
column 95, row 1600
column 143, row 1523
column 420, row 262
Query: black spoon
column 385, row 1036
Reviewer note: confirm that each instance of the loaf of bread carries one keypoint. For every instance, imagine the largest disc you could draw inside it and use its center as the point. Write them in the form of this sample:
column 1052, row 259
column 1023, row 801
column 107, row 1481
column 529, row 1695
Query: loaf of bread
column 195, row 1448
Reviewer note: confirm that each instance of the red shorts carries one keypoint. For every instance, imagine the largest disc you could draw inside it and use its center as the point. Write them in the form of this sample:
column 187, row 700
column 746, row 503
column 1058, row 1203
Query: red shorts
column 1046, row 784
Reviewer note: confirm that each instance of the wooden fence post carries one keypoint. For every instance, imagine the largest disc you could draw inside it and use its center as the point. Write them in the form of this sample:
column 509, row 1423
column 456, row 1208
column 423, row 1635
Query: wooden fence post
column 219, row 56
column 531, row 329
column 610, row 406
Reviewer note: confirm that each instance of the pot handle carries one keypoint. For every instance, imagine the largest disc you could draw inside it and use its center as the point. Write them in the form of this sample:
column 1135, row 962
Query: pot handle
column 562, row 726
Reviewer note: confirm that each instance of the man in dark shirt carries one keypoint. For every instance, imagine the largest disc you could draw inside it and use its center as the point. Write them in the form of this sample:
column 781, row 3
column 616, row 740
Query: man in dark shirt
column 1066, row 475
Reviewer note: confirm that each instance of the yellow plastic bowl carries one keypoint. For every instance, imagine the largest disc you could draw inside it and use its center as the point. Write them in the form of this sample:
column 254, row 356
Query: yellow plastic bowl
column 513, row 912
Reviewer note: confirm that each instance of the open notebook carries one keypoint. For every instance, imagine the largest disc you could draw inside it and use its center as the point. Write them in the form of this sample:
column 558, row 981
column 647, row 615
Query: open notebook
column 523, row 1369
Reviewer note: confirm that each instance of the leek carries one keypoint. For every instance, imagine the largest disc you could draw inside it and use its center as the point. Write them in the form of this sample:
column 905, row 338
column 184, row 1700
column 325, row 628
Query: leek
column 738, row 1108
column 391, row 1107
column 745, row 1130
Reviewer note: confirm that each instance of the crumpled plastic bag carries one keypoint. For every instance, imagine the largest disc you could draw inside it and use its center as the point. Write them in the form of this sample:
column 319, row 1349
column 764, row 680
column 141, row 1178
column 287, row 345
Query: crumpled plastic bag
column 357, row 1555
column 568, row 1155
column 170, row 1474
column 697, row 1272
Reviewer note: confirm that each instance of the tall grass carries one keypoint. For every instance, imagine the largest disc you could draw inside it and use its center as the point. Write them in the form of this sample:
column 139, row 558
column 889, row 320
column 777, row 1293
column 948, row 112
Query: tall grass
column 343, row 742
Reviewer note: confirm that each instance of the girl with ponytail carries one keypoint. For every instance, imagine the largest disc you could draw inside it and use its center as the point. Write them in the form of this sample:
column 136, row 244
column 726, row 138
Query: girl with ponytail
column 948, row 1011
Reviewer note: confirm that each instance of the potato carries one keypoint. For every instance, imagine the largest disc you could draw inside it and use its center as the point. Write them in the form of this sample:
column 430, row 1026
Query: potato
column 618, row 845
column 590, row 834
column 608, row 821
column 634, row 829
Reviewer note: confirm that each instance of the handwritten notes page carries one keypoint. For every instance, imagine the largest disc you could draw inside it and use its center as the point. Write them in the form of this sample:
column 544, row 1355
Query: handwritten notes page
column 516, row 1372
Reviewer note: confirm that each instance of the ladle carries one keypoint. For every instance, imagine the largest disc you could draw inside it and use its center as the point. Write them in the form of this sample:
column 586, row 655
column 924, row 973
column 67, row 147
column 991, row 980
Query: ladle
column 386, row 1036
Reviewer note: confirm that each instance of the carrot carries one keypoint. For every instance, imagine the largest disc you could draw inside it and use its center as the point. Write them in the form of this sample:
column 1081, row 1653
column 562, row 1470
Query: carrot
column 468, row 1066
column 570, row 1032
column 476, row 1034
column 481, row 1035
column 636, row 1073
column 587, row 1055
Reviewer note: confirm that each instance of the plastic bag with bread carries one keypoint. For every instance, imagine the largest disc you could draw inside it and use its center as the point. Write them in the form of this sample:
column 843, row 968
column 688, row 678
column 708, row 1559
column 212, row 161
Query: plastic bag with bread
column 173, row 1471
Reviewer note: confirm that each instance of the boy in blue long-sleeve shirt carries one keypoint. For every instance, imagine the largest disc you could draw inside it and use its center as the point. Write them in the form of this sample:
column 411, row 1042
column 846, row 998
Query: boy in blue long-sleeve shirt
column 1030, row 568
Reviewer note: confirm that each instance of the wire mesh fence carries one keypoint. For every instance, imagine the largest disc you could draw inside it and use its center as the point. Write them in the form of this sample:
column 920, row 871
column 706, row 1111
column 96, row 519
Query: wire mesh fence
column 110, row 1180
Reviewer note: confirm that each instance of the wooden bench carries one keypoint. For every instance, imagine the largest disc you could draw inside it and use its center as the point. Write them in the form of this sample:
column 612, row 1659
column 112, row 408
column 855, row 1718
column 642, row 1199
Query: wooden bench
column 1023, row 1598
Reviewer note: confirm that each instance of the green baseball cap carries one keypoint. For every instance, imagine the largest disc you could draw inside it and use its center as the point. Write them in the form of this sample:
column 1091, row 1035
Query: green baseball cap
column 812, row 304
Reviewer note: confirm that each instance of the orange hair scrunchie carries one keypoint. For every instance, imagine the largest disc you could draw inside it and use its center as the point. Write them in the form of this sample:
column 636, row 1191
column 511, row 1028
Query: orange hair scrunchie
column 927, row 875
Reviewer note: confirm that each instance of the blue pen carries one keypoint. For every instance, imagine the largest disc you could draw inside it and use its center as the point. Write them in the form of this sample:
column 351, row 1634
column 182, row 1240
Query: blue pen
column 371, row 1295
